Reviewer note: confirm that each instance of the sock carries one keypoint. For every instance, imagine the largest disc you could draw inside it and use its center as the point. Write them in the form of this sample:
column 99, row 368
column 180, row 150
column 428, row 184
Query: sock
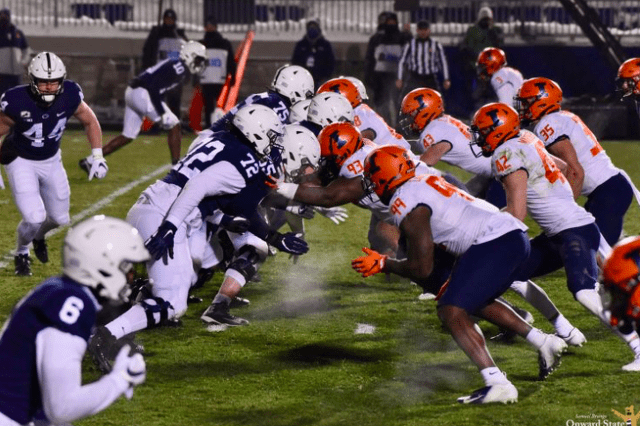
column 633, row 341
column 591, row 300
column 562, row 325
column 536, row 338
column 135, row 319
column 221, row 298
column 537, row 297
column 493, row 376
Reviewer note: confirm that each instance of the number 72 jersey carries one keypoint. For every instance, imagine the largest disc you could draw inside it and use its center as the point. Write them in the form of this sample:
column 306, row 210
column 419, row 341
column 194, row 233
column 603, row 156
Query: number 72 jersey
column 37, row 131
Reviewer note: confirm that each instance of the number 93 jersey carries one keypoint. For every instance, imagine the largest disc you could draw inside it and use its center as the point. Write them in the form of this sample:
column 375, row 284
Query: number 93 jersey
column 37, row 131
column 58, row 303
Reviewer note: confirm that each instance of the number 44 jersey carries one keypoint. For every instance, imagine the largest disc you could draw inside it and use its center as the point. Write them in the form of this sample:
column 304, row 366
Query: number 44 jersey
column 38, row 129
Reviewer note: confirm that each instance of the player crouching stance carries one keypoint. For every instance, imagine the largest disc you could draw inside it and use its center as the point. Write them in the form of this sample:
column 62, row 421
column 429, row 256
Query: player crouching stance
column 44, row 341
column 491, row 248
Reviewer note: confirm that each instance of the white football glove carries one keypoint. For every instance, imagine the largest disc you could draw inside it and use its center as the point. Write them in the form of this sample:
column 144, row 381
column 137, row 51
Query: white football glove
column 169, row 120
column 302, row 210
column 99, row 168
column 131, row 368
column 336, row 214
column 1, row 182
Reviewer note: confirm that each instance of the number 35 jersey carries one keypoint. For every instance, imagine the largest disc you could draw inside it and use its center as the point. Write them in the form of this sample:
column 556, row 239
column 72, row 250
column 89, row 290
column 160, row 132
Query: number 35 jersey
column 597, row 165
column 37, row 131
column 549, row 197
column 458, row 220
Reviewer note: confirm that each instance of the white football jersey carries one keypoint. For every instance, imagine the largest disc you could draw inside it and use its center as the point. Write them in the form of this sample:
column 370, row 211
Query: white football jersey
column 354, row 166
column 506, row 82
column 454, row 131
column 549, row 197
column 458, row 220
column 367, row 118
column 597, row 165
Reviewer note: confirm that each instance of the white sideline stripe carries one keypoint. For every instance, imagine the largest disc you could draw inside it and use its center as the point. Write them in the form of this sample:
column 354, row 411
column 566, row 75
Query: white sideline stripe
column 97, row 206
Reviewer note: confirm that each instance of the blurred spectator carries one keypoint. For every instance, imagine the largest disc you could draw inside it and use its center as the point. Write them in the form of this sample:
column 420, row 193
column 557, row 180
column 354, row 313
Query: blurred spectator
column 165, row 41
column 381, row 67
column 479, row 36
column 14, row 53
column 315, row 53
column 423, row 59
column 221, row 63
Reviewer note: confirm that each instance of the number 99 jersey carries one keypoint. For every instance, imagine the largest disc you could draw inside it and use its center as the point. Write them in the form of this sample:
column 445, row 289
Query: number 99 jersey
column 37, row 131
column 58, row 303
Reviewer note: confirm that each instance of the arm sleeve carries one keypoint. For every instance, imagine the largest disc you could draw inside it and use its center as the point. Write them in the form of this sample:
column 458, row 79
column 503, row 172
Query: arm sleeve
column 59, row 364
column 219, row 179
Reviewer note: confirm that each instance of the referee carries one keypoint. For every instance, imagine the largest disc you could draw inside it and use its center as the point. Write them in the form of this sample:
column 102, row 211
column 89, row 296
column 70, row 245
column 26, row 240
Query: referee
column 422, row 60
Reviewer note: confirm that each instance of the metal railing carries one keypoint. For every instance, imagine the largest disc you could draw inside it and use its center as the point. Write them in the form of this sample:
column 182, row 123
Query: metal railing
column 533, row 17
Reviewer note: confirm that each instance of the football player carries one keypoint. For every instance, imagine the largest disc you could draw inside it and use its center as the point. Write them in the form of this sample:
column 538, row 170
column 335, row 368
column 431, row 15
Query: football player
column 34, row 117
column 490, row 248
column 145, row 95
column 371, row 125
column 230, row 169
column 534, row 183
column 45, row 338
column 620, row 277
column 505, row 80
column 327, row 108
column 591, row 173
column 628, row 80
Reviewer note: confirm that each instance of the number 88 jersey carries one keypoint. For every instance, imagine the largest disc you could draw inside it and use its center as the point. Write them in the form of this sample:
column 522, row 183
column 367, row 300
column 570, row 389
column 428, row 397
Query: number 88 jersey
column 38, row 129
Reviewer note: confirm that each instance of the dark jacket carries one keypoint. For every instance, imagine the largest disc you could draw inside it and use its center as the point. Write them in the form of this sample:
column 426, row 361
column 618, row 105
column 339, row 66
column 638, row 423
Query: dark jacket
column 316, row 56
column 150, row 49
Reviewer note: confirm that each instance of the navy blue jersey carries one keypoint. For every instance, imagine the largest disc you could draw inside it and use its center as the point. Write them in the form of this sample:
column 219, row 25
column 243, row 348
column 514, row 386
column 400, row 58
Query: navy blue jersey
column 161, row 78
column 58, row 302
column 38, row 128
column 269, row 99
column 315, row 128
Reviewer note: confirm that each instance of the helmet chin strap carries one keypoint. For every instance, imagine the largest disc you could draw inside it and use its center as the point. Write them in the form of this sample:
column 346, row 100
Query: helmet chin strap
column 48, row 98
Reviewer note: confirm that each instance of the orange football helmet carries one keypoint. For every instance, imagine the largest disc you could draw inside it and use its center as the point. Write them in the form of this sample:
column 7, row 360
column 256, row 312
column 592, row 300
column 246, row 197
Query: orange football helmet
column 489, row 61
column 419, row 107
column 492, row 125
column 537, row 97
column 386, row 168
column 620, row 278
column 343, row 86
column 338, row 141
column 628, row 80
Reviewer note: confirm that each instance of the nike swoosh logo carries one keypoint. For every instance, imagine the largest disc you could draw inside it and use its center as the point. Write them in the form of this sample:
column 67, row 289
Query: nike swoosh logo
column 60, row 114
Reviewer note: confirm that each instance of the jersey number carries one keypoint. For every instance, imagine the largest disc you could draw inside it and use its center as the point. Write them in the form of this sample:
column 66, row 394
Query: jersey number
column 34, row 134
column 444, row 188
column 70, row 311
column 178, row 67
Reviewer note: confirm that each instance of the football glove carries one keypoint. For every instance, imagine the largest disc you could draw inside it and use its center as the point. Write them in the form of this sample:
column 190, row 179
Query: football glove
column 235, row 224
column 370, row 264
column 160, row 244
column 302, row 210
column 99, row 168
column 289, row 243
column 335, row 214
column 169, row 120
column 131, row 368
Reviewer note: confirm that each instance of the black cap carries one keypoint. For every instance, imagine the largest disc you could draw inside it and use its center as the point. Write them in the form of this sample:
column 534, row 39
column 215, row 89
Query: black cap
column 170, row 13
column 211, row 20
column 423, row 25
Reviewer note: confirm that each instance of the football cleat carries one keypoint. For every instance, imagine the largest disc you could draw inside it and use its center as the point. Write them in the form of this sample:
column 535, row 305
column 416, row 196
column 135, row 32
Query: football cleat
column 504, row 393
column 84, row 165
column 574, row 338
column 632, row 366
column 40, row 250
column 103, row 349
column 218, row 313
column 425, row 295
column 549, row 355
column 22, row 265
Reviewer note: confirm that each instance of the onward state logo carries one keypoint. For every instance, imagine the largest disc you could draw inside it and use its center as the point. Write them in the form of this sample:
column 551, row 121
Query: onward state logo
column 629, row 418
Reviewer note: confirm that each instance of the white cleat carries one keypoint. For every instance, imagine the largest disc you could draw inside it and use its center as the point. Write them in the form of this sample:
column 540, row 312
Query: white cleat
column 426, row 296
column 574, row 338
column 633, row 366
column 504, row 393
column 549, row 355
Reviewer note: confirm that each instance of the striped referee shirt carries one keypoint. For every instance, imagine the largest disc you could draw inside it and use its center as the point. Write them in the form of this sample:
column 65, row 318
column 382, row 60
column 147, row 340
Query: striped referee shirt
column 423, row 57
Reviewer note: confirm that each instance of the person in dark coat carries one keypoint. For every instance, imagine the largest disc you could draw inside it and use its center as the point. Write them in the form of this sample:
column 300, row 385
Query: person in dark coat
column 315, row 53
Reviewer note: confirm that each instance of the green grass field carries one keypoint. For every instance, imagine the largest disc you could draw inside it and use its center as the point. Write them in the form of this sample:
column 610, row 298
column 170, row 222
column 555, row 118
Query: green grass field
column 300, row 361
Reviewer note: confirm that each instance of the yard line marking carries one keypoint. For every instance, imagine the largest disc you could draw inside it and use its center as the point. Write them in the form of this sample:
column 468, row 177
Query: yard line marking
column 97, row 206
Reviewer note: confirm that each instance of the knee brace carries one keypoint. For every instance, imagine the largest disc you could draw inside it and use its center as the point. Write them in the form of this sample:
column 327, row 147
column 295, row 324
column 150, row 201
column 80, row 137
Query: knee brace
column 246, row 262
column 157, row 312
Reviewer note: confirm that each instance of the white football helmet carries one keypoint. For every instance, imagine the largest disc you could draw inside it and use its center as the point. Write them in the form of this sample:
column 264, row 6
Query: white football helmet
column 300, row 150
column 360, row 86
column 47, row 66
column 329, row 107
column 293, row 82
column 298, row 111
column 99, row 252
column 260, row 125
column 194, row 54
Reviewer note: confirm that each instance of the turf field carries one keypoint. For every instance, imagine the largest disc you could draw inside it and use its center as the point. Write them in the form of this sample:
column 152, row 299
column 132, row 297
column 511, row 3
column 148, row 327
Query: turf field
column 305, row 360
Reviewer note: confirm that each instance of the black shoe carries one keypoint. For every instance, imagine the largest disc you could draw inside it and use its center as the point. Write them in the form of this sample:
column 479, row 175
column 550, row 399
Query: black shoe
column 23, row 265
column 238, row 302
column 40, row 250
column 193, row 299
column 84, row 165
column 103, row 349
column 218, row 313
column 204, row 275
